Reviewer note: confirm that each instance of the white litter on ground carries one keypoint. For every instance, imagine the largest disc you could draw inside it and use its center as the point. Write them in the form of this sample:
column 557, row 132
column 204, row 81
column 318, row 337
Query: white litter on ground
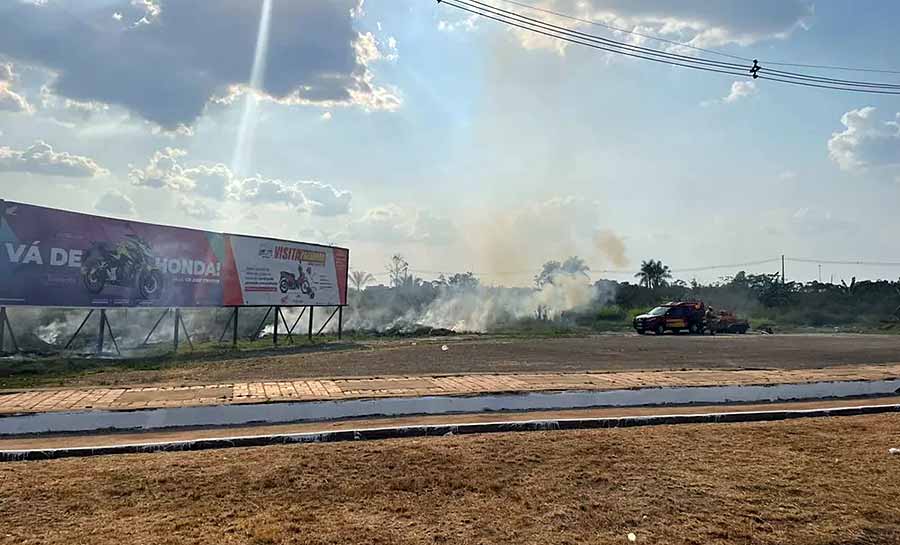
column 894, row 451
column 444, row 347
column 631, row 537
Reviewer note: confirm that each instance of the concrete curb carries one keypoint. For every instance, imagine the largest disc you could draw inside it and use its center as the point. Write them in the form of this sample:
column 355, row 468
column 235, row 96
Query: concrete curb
column 441, row 430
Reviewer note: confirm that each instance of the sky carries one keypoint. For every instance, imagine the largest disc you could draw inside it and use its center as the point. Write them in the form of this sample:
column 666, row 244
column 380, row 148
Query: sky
column 406, row 126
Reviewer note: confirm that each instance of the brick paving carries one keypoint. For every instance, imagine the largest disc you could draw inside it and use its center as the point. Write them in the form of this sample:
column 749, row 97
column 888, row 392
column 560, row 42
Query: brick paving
column 366, row 387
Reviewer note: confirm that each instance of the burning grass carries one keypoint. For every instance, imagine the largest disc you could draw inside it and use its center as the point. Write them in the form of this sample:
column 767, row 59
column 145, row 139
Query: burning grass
column 818, row 481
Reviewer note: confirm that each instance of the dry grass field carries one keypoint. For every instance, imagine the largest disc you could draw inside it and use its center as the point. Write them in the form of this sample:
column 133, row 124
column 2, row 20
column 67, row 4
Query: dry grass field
column 809, row 482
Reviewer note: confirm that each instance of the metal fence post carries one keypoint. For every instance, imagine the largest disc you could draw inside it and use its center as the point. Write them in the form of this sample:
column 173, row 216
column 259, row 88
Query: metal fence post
column 340, row 320
column 309, row 335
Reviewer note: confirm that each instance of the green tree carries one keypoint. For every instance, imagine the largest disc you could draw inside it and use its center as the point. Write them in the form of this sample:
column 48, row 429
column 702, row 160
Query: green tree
column 573, row 266
column 359, row 279
column 654, row 274
column 462, row 281
column 398, row 270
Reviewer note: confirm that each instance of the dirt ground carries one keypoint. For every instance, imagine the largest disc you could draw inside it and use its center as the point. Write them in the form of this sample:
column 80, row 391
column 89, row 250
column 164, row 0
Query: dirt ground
column 816, row 481
column 491, row 355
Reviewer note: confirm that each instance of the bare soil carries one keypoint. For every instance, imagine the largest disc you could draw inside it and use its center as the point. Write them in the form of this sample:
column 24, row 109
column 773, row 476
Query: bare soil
column 810, row 482
column 492, row 355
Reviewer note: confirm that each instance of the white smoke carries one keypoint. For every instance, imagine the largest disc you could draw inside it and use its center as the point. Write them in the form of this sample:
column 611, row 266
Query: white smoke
column 476, row 309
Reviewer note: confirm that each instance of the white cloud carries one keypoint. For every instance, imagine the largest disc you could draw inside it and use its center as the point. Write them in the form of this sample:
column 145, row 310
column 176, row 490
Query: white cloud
column 464, row 24
column 218, row 182
column 865, row 142
column 392, row 224
column 741, row 89
column 163, row 170
column 324, row 199
column 115, row 202
column 694, row 22
column 197, row 209
column 10, row 101
column 326, row 116
column 41, row 159
column 173, row 57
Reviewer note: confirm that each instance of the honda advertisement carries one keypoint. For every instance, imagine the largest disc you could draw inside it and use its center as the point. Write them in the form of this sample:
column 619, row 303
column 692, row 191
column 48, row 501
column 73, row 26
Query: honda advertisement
column 57, row 258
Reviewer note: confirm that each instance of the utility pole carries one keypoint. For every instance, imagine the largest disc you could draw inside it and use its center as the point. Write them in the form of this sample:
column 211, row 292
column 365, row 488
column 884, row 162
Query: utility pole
column 782, row 269
column 820, row 273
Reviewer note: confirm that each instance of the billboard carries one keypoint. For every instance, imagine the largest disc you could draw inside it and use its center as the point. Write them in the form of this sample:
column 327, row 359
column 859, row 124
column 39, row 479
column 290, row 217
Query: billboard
column 56, row 258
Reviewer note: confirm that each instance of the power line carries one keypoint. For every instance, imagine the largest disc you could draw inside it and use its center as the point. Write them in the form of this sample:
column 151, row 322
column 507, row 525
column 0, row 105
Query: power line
column 510, row 17
column 507, row 21
column 844, row 262
column 523, row 22
column 797, row 75
column 730, row 266
column 619, row 29
column 826, row 67
column 689, row 46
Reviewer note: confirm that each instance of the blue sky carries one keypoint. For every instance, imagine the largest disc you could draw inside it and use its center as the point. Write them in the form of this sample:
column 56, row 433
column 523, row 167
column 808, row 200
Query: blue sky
column 405, row 126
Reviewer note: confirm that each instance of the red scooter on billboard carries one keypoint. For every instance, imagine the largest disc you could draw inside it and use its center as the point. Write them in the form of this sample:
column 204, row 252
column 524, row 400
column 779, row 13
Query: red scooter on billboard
column 289, row 281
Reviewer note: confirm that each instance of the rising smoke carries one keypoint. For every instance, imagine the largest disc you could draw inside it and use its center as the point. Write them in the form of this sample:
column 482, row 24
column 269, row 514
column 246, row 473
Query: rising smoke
column 470, row 308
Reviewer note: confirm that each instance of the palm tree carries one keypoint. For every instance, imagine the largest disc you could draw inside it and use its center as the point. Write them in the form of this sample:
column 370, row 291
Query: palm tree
column 653, row 274
column 359, row 279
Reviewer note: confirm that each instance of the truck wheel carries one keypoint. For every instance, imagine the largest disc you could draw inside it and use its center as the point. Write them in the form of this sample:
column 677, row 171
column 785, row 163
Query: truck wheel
column 742, row 330
column 659, row 330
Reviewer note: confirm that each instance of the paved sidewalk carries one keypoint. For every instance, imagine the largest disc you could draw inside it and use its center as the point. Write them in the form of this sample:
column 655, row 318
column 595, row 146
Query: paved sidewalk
column 35, row 401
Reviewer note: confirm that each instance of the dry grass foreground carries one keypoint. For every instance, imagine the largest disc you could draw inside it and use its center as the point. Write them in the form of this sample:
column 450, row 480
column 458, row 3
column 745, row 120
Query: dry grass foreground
column 817, row 481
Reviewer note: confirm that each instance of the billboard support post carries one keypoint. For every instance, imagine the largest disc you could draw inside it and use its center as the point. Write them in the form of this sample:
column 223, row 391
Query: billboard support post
column 309, row 334
column 321, row 329
column 4, row 325
column 177, row 329
column 102, row 331
column 275, row 326
column 112, row 336
column 153, row 329
column 184, row 328
column 340, row 320
column 297, row 321
column 233, row 322
column 288, row 330
column 77, row 331
column 235, row 330
column 225, row 329
column 262, row 324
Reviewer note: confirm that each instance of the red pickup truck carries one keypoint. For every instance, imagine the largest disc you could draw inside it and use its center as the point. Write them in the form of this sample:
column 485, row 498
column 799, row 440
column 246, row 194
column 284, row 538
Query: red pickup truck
column 675, row 316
